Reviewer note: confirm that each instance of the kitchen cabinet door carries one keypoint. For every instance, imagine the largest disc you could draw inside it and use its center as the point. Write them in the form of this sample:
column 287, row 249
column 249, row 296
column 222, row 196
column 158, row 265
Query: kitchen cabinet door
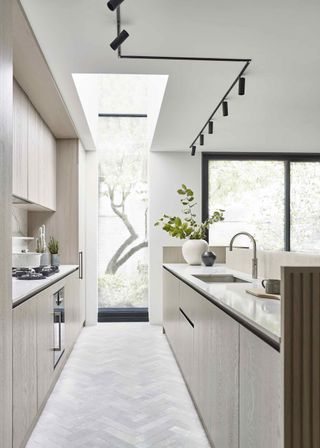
column 260, row 393
column 171, row 314
column 44, row 343
column 72, row 309
column 82, row 229
column 24, row 369
column 185, row 352
column 46, row 167
column 216, row 371
column 33, row 154
column 20, row 143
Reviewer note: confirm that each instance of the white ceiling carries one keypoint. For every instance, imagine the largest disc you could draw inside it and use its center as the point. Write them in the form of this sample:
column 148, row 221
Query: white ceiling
column 280, row 111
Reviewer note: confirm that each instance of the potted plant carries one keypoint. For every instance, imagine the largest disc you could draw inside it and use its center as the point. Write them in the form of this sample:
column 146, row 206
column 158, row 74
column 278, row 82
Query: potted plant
column 53, row 247
column 187, row 228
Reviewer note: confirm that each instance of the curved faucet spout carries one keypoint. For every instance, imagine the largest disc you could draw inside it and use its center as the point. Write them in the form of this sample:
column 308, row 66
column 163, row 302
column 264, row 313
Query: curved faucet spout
column 254, row 259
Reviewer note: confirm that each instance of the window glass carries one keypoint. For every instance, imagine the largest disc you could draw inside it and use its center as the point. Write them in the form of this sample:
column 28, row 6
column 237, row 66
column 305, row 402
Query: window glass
column 252, row 193
column 305, row 206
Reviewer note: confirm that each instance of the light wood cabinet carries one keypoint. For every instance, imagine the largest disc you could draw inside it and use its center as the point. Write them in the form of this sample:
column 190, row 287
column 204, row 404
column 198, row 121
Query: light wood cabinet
column 184, row 351
column 25, row 403
column 260, row 393
column 72, row 309
column 216, row 350
column 44, row 343
column 171, row 315
column 20, row 143
column 34, row 154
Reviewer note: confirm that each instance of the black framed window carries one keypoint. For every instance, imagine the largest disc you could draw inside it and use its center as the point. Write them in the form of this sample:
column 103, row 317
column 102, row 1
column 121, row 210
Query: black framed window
column 273, row 196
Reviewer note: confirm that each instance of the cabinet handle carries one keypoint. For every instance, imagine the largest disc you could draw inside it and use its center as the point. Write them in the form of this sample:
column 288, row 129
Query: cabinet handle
column 186, row 317
column 81, row 265
column 58, row 314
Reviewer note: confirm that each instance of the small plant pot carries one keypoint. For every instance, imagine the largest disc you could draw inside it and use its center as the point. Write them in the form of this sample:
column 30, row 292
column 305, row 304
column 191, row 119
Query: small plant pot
column 45, row 259
column 55, row 260
column 192, row 251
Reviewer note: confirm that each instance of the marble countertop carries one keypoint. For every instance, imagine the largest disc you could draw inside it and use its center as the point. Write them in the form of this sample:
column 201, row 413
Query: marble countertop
column 23, row 289
column 262, row 315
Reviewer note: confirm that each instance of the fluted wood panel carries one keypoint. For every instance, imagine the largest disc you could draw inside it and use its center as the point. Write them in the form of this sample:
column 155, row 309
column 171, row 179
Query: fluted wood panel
column 301, row 356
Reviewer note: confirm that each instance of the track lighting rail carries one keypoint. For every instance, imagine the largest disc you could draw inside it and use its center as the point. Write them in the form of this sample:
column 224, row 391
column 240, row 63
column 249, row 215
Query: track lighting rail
column 222, row 100
column 223, row 103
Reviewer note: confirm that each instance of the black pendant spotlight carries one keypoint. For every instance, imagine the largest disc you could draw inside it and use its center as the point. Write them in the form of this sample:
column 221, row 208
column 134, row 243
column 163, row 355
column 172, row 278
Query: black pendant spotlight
column 115, row 44
column 210, row 127
column 242, row 86
column 201, row 139
column 113, row 4
column 193, row 150
column 225, row 111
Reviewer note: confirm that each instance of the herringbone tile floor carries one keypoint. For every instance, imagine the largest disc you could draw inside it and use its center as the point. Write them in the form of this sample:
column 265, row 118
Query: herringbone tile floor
column 121, row 388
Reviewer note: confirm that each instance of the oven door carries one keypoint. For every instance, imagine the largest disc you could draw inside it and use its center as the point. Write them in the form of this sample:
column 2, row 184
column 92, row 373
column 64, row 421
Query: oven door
column 58, row 326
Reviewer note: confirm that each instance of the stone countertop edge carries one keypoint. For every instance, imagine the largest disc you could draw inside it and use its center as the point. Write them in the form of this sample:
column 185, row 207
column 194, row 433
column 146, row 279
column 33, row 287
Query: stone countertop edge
column 23, row 290
column 217, row 293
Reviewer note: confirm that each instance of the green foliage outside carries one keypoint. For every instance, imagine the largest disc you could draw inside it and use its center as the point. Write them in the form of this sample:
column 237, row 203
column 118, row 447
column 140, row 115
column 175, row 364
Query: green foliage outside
column 121, row 290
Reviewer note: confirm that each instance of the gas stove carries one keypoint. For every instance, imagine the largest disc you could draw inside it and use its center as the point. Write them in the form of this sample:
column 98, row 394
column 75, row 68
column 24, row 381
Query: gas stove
column 35, row 273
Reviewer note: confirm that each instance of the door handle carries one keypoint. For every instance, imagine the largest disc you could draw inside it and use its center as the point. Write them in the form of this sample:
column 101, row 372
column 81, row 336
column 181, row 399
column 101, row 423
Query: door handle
column 58, row 314
column 186, row 317
column 81, row 265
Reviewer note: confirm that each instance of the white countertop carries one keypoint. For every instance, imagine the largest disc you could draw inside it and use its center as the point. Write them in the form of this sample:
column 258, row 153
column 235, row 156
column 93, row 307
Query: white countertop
column 262, row 314
column 26, row 288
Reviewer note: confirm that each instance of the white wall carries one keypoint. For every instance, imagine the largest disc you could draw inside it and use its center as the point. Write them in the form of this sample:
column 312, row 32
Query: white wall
column 167, row 171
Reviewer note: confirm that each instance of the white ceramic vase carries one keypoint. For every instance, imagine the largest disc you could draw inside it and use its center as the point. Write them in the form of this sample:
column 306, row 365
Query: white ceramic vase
column 192, row 251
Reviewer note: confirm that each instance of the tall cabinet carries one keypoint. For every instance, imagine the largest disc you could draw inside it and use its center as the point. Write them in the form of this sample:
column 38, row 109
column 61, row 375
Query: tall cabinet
column 67, row 224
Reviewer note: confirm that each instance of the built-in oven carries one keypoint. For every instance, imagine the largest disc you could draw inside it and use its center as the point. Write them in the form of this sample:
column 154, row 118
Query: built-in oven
column 58, row 325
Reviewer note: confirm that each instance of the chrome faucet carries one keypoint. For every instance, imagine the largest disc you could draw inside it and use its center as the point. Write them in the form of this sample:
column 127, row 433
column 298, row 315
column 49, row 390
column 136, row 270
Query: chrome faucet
column 254, row 259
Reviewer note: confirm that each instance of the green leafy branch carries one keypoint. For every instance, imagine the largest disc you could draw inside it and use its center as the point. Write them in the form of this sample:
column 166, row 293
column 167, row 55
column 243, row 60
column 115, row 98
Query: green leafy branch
column 187, row 226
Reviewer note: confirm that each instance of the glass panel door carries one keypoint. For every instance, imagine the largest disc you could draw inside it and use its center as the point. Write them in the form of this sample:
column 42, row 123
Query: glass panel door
column 123, row 208
column 252, row 193
column 305, row 206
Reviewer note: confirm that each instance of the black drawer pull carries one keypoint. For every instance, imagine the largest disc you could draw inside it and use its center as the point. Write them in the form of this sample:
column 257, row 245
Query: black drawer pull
column 189, row 320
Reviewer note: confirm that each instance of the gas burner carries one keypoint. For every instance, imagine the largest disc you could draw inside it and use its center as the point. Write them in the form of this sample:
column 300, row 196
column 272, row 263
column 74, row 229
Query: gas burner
column 38, row 273
column 31, row 276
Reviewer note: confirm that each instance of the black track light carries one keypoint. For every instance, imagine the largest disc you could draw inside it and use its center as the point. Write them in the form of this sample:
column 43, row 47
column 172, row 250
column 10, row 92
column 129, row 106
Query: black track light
column 113, row 4
column 115, row 44
column 210, row 127
column 225, row 111
column 242, row 86
column 201, row 139
column 193, row 150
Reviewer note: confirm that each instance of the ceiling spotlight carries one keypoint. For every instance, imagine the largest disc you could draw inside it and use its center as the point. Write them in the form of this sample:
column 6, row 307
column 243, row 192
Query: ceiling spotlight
column 115, row 44
column 113, row 4
column 242, row 86
column 210, row 127
column 201, row 139
column 225, row 111
column 193, row 150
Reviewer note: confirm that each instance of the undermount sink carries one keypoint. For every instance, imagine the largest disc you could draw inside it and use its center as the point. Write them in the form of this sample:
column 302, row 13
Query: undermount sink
column 219, row 278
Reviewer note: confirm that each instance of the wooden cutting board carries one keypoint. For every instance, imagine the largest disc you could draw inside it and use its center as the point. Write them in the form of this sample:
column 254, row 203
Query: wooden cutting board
column 259, row 292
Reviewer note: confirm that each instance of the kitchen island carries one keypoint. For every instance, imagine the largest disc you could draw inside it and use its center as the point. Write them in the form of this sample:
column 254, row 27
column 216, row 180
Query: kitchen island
column 261, row 316
column 251, row 365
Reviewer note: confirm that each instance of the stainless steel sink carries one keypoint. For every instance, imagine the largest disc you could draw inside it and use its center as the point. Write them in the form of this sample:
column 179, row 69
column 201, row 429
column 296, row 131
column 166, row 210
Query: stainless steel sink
column 219, row 278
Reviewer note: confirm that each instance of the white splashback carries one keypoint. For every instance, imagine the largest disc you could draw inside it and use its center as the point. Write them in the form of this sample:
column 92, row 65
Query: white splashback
column 269, row 262
column 19, row 229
